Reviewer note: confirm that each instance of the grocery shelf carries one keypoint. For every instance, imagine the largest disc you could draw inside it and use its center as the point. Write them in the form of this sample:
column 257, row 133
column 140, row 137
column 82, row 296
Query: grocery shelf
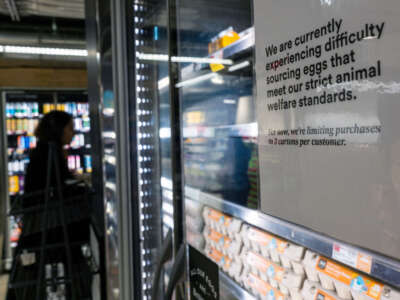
column 383, row 268
column 245, row 43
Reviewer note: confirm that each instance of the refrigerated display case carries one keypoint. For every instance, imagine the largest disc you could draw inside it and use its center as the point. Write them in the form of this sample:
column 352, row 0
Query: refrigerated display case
column 258, row 253
column 22, row 113
column 187, row 85
column 128, row 117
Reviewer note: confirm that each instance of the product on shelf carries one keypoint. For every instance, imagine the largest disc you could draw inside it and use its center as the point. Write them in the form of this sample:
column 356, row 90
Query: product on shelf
column 15, row 230
column 88, row 164
column 313, row 291
column 26, row 142
column 222, row 223
column 73, row 108
column 230, row 265
column 273, row 268
column 224, row 244
column 74, row 163
column 22, row 110
column 262, row 288
column 78, row 141
column 309, row 262
column 13, row 184
column 222, row 40
column 347, row 282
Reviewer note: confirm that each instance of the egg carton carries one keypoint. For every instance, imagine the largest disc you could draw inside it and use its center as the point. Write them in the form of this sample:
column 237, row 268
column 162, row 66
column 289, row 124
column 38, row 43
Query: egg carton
column 235, row 271
column 263, row 289
column 223, row 243
column 295, row 294
column 309, row 262
column 347, row 283
column 314, row 291
column 278, row 276
column 222, row 223
column 266, row 244
column 292, row 257
column 218, row 257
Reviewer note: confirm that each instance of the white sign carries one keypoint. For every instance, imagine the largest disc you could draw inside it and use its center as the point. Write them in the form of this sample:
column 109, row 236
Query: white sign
column 328, row 103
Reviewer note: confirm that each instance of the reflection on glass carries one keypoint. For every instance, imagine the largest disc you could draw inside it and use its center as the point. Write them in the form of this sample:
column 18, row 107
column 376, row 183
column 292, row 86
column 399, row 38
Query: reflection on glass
column 109, row 149
column 217, row 104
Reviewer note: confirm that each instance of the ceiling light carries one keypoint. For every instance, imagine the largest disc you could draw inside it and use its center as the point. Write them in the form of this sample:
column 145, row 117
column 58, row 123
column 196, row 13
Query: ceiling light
column 43, row 51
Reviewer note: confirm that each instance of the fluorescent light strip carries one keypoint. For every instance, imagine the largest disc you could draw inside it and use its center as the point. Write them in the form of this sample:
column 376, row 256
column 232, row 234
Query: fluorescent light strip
column 154, row 57
column 184, row 59
column 163, row 83
column 239, row 66
column 43, row 51
column 196, row 80
column 202, row 60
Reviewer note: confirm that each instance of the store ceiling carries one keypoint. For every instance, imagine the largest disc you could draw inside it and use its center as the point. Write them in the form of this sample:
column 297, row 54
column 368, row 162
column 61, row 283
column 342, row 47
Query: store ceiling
column 18, row 9
column 42, row 23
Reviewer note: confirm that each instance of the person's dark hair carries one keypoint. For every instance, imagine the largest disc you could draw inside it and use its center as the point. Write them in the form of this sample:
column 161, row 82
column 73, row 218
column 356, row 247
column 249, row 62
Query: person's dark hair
column 51, row 126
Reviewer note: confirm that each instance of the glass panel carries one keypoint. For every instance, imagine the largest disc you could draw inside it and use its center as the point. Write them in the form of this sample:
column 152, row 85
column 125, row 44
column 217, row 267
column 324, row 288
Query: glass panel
column 218, row 114
column 109, row 144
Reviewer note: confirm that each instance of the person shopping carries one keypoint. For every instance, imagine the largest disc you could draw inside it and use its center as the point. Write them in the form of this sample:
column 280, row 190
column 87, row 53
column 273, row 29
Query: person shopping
column 54, row 132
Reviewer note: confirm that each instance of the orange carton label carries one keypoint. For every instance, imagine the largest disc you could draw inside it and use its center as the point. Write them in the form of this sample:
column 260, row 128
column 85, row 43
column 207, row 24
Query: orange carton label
column 356, row 281
column 219, row 238
column 267, row 240
column 321, row 295
column 364, row 263
column 215, row 255
column 219, row 258
column 264, row 288
column 265, row 266
column 219, row 217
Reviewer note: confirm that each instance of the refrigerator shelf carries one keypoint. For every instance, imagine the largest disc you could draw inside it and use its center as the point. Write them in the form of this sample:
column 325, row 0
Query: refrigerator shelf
column 382, row 268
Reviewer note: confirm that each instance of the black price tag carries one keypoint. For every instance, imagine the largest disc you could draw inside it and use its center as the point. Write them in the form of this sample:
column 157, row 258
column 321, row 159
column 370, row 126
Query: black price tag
column 204, row 276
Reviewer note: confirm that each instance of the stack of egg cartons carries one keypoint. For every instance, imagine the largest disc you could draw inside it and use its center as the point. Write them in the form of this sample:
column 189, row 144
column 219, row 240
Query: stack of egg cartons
column 274, row 261
column 194, row 224
column 327, row 279
column 275, row 269
column 223, row 241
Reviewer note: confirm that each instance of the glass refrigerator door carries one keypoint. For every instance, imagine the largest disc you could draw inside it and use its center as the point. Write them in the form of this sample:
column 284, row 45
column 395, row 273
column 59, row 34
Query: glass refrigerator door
column 219, row 129
column 109, row 135
column 217, row 103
